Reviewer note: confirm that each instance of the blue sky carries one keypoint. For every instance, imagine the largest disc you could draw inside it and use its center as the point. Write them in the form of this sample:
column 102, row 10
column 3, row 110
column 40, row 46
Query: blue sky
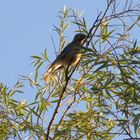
column 26, row 29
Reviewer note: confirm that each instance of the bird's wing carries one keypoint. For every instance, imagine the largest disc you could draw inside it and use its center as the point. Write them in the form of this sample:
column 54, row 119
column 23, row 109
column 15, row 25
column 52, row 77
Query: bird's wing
column 58, row 62
column 66, row 50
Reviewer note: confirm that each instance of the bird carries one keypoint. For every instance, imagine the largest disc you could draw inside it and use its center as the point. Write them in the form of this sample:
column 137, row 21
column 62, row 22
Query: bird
column 69, row 56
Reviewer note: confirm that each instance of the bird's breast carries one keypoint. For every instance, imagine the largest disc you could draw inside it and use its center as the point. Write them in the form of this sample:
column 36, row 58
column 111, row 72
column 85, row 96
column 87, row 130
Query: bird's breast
column 77, row 58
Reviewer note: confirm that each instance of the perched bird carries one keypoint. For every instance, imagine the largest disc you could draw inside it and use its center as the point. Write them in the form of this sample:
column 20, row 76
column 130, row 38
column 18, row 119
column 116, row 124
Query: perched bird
column 69, row 56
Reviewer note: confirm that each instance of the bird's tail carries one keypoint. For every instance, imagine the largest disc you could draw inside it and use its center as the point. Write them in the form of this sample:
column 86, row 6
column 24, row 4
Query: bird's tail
column 50, row 72
column 47, row 75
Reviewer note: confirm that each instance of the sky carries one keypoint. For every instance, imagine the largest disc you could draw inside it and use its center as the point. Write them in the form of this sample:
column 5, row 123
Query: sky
column 26, row 29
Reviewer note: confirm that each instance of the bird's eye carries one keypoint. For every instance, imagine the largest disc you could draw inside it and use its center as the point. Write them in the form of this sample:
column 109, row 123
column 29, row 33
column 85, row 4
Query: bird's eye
column 81, row 38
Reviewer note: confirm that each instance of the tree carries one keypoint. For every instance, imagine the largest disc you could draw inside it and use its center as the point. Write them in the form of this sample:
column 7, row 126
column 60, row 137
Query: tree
column 99, row 99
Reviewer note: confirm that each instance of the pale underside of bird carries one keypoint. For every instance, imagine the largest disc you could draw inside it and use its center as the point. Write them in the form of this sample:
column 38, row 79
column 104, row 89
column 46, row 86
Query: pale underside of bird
column 69, row 57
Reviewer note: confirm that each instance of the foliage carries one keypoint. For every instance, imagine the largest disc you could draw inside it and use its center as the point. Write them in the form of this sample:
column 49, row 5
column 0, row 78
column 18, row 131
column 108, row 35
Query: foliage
column 100, row 99
column 15, row 116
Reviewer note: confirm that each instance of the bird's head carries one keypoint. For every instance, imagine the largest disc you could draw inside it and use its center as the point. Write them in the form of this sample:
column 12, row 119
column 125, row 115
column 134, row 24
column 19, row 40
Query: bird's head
column 79, row 38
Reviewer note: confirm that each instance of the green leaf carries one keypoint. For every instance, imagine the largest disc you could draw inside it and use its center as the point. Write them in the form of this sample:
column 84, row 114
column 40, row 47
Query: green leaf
column 34, row 112
column 39, row 65
column 35, row 56
column 45, row 54
column 54, row 101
